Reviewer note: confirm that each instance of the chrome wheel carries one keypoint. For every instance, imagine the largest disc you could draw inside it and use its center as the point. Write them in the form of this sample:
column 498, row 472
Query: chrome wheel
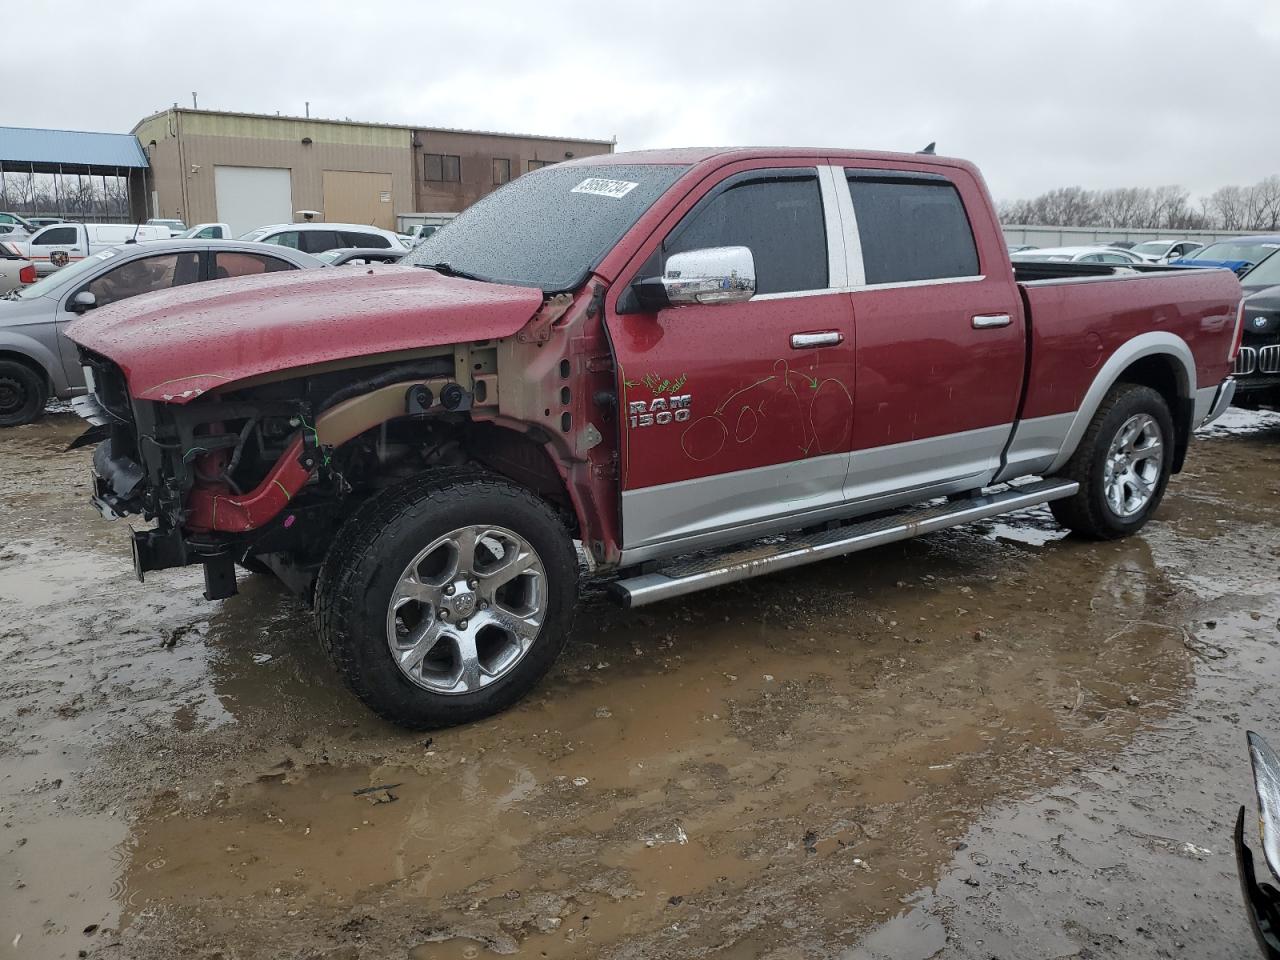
column 466, row 609
column 1132, row 468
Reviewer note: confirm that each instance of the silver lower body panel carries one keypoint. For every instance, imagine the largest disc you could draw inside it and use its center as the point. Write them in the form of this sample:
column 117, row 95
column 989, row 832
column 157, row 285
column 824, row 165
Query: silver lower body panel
column 684, row 576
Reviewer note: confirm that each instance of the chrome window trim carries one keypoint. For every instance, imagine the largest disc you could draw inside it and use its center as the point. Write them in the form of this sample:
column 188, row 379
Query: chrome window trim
column 853, row 241
column 837, row 261
column 868, row 286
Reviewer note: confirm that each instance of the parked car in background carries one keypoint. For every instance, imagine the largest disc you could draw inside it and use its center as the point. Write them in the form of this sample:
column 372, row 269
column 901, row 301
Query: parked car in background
column 341, row 256
column 15, row 219
column 1240, row 254
column 1121, row 244
column 37, row 222
column 208, row 231
column 1160, row 251
column 1077, row 255
column 37, row 362
column 176, row 227
column 1263, row 274
column 1019, row 247
column 53, row 247
column 319, row 237
column 11, row 228
column 15, row 272
column 588, row 354
column 1257, row 365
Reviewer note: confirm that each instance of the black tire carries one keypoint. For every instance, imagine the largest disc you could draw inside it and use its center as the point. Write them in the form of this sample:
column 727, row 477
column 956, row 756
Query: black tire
column 377, row 544
column 1088, row 513
column 23, row 394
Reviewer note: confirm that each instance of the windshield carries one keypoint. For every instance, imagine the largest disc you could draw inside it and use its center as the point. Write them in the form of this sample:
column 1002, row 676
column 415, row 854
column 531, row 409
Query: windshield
column 1152, row 248
column 54, row 281
column 1234, row 250
column 1267, row 272
column 547, row 228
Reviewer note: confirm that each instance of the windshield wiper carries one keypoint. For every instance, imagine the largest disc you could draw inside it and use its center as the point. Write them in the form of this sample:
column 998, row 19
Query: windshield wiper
column 449, row 270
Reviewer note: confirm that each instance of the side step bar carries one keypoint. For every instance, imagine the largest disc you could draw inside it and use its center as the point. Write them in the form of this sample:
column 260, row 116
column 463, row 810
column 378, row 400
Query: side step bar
column 690, row 575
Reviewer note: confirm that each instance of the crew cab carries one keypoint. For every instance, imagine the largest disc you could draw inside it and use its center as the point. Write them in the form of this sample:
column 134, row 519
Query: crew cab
column 698, row 365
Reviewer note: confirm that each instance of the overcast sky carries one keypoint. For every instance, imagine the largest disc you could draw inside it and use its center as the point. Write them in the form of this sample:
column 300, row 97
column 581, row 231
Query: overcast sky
column 1040, row 93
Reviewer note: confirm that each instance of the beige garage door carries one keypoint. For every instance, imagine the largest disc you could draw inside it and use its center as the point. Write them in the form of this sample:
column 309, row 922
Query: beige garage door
column 351, row 197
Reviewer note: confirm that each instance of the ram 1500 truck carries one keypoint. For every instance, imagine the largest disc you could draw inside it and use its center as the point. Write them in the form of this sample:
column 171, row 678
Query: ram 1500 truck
column 673, row 358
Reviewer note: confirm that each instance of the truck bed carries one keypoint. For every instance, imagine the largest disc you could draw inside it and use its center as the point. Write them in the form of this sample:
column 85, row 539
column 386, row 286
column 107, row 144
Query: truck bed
column 1079, row 317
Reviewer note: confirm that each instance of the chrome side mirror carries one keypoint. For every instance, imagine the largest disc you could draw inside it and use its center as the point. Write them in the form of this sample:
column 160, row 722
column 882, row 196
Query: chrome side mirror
column 82, row 301
column 712, row 275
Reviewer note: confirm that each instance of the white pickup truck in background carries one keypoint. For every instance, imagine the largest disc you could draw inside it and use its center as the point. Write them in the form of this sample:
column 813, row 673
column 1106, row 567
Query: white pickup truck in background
column 57, row 245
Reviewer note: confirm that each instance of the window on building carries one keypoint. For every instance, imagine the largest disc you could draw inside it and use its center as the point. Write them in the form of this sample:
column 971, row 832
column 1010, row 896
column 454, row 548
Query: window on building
column 539, row 164
column 911, row 228
column 777, row 216
column 441, row 167
column 501, row 170
column 228, row 264
column 368, row 240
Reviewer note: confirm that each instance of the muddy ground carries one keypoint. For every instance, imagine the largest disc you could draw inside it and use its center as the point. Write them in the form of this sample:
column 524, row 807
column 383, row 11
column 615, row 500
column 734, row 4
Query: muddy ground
column 992, row 742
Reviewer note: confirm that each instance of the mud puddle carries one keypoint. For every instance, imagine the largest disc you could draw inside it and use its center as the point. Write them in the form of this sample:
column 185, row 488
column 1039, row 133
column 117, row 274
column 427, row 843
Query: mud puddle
column 962, row 745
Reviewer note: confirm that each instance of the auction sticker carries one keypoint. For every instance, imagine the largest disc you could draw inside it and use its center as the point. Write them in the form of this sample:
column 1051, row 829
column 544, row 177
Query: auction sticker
column 600, row 187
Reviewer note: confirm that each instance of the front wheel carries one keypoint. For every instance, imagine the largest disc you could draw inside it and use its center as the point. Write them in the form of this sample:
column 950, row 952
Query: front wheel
column 1123, row 465
column 446, row 599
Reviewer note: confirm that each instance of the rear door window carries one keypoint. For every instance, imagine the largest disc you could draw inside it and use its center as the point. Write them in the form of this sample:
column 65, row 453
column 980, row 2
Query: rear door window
column 318, row 241
column 777, row 214
column 912, row 227
column 229, row 264
column 373, row 241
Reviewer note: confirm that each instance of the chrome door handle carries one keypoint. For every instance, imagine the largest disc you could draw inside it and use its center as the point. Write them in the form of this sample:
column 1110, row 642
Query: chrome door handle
column 826, row 338
column 986, row 321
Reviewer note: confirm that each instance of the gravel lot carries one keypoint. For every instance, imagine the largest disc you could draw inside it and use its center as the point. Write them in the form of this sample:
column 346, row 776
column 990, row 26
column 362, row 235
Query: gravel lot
column 992, row 742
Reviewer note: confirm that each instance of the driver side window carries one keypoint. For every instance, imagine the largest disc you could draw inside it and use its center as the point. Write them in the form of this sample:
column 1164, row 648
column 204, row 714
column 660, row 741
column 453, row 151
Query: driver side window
column 777, row 216
column 144, row 276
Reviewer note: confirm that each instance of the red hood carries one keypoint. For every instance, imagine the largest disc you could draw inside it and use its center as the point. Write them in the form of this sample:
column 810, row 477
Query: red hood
column 177, row 344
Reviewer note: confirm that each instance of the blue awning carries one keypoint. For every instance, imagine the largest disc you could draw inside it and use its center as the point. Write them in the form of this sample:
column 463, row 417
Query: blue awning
column 30, row 145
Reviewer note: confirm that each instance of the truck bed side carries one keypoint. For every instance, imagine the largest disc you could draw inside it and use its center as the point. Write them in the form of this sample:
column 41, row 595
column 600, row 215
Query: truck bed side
column 1173, row 330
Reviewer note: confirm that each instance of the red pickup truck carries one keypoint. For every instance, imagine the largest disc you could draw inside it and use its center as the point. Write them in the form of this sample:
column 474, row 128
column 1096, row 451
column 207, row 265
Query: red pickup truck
column 669, row 357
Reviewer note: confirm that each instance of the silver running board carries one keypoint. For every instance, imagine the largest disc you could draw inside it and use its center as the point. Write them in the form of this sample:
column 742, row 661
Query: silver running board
column 690, row 575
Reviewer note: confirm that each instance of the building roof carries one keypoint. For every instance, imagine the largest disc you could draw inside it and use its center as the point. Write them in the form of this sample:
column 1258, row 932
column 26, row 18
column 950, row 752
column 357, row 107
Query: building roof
column 418, row 128
column 31, row 145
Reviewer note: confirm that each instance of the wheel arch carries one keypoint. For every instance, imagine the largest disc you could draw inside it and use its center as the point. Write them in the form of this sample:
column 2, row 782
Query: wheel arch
column 1157, row 359
column 520, row 458
column 35, row 358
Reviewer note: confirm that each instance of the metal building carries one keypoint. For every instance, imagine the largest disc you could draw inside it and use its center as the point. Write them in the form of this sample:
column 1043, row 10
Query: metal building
column 97, row 177
column 253, row 169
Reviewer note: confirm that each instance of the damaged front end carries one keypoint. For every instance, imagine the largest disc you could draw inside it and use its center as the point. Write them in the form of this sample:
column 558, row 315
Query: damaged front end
column 264, row 473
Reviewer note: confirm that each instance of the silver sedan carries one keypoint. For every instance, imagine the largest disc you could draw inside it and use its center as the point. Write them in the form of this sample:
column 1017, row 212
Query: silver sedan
column 37, row 361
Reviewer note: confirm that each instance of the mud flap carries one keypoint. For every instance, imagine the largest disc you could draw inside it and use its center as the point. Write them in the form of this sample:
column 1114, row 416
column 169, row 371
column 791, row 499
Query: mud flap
column 219, row 577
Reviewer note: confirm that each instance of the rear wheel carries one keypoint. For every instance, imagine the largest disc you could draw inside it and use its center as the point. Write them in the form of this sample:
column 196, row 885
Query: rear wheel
column 445, row 600
column 22, row 394
column 1123, row 465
